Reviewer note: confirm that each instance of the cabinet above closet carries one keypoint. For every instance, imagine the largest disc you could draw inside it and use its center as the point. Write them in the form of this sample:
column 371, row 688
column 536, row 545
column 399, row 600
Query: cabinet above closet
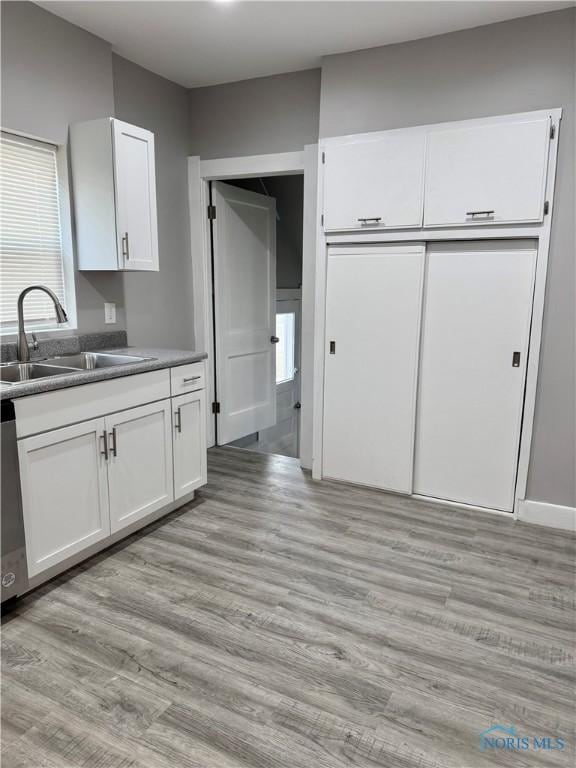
column 464, row 174
column 114, row 193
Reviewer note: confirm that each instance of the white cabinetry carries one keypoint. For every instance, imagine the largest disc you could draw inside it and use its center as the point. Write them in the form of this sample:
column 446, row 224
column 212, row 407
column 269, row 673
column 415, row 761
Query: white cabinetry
column 489, row 173
column 375, row 183
column 139, row 463
column 113, row 467
column 189, row 423
column 373, row 305
column 64, row 492
column 114, row 194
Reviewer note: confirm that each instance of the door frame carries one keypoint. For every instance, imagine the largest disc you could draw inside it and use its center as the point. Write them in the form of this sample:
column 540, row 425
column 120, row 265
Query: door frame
column 200, row 174
column 540, row 232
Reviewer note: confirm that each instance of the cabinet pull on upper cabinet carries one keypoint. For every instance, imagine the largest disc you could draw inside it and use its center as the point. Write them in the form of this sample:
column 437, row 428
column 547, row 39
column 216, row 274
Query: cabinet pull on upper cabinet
column 366, row 219
column 485, row 214
column 125, row 246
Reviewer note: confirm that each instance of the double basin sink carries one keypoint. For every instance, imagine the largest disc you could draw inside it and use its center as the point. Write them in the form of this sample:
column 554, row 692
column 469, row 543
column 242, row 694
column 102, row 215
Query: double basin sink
column 15, row 373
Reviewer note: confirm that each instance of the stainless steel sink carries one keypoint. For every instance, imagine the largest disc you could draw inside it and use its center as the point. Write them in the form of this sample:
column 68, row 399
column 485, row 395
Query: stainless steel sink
column 14, row 373
column 89, row 361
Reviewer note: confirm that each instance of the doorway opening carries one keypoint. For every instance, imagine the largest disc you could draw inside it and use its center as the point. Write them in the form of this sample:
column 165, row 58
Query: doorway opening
column 256, row 234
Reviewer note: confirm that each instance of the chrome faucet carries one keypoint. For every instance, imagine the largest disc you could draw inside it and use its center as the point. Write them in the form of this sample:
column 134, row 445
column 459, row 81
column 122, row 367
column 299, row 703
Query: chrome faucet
column 23, row 350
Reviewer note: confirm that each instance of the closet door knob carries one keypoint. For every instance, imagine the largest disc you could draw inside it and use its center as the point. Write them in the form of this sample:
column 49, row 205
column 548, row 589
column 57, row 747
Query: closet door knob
column 274, row 339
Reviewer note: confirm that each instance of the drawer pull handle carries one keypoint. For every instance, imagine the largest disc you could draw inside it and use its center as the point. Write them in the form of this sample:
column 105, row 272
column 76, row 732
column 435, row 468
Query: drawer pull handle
column 191, row 379
column 178, row 423
column 367, row 219
column 486, row 214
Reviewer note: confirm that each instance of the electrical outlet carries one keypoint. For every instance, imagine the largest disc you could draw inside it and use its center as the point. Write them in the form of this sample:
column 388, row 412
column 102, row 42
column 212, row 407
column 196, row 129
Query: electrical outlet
column 109, row 312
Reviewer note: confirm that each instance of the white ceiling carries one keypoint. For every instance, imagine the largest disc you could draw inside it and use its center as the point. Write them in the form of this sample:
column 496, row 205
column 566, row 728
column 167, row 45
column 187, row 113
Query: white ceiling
column 198, row 43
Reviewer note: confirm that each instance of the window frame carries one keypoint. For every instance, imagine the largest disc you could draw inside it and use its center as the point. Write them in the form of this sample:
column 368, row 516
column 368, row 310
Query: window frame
column 9, row 331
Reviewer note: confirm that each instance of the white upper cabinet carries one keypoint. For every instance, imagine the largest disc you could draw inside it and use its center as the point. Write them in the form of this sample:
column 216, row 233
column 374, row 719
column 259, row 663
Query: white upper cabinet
column 375, row 183
column 489, row 173
column 114, row 193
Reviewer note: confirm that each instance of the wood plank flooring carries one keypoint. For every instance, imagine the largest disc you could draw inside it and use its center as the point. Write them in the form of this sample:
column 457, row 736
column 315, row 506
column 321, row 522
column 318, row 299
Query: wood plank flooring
column 282, row 623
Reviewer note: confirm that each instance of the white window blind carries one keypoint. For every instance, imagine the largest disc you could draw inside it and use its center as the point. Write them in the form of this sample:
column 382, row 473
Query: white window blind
column 30, row 235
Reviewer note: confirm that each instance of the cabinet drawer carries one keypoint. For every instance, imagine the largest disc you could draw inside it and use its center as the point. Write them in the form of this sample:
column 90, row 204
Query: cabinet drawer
column 187, row 378
column 50, row 410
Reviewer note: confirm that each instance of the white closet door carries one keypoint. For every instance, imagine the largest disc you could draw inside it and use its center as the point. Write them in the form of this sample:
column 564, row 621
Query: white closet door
column 376, row 182
column 486, row 174
column 372, row 336
column 476, row 321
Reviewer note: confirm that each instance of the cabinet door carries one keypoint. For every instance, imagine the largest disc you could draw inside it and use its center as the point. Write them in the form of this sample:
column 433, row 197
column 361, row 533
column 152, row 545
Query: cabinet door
column 135, row 182
column 493, row 173
column 475, row 331
column 189, row 423
column 376, row 183
column 372, row 337
column 140, row 462
column 64, row 492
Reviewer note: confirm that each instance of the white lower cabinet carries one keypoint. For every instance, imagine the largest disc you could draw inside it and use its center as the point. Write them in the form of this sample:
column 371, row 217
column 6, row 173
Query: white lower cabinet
column 189, row 425
column 64, row 492
column 139, row 462
column 85, row 482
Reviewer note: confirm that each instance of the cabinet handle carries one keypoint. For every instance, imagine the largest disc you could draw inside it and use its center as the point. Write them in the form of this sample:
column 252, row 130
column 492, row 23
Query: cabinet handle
column 114, row 446
column 104, row 452
column 486, row 214
column 178, row 424
column 191, row 379
column 366, row 219
column 125, row 246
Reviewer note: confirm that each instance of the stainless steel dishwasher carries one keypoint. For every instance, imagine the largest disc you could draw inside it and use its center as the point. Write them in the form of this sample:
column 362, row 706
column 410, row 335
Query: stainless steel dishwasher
column 14, row 571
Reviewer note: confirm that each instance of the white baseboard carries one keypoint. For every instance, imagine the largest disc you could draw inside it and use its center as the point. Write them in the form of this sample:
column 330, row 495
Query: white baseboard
column 552, row 515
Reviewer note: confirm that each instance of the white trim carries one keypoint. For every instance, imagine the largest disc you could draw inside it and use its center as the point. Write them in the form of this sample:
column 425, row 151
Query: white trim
column 541, row 232
column 551, row 515
column 200, row 173
column 279, row 164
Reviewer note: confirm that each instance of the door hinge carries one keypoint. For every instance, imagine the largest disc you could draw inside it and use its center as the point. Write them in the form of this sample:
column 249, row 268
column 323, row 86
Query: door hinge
column 323, row 158
column 552, row 131
column 215, row 407
column 546, row 208
column 211, row 211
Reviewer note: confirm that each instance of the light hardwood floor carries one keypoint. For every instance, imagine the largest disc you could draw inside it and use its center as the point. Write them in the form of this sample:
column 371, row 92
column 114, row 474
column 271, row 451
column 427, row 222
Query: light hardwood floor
column 282, row 623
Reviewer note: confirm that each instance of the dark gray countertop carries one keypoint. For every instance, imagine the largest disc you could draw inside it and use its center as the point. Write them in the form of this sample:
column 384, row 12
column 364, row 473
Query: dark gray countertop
column 162, row 358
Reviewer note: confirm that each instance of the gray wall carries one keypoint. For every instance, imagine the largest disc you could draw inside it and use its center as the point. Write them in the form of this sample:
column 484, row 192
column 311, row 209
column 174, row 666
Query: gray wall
column 514, row 66
column 255, row 117
column 159, row 304
column 289, row 194
column 54, row 74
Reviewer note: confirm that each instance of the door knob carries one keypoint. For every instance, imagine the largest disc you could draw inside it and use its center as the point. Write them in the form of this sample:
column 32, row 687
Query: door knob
column 298, row 406
column 274, row 339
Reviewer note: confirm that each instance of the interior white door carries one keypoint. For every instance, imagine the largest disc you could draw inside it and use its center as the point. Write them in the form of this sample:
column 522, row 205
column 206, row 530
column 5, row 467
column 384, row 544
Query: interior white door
column 493, row 173
column 189, row 425
column 135, row 187
column 476, row 323
column 373, row 308
column 244, row 245
column 376, row 182
column 64, row 492
column 140, row 477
